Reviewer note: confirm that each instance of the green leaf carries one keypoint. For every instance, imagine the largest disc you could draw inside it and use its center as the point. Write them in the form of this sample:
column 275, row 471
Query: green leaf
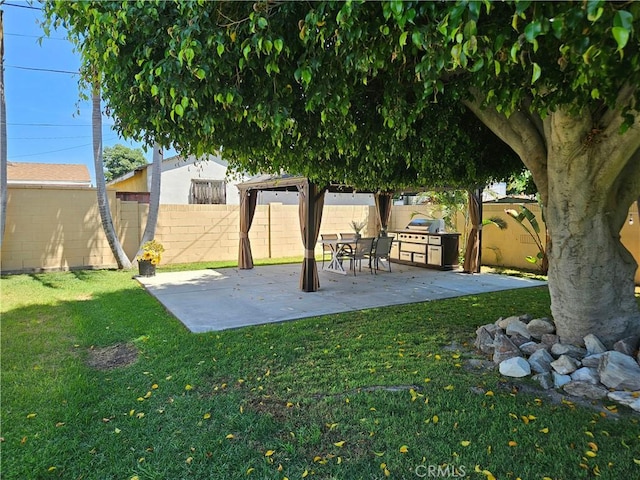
column 200, row 74
column 621, row 36
column 154, row 90
column 532, row 30
column 536, row 73
column 623, row 19
column 178, row 109
column 403, row 39
column 278, row 44
column 262, row 22
column 306, row 75
column 229, row 97
column 220, row 49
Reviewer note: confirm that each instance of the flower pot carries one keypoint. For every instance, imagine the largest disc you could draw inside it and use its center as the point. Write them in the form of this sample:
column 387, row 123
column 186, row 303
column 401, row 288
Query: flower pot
column 146, row 268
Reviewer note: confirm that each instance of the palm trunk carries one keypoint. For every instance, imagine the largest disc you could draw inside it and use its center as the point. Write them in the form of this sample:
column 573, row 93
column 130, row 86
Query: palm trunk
column 101, row 187
column 154, row 200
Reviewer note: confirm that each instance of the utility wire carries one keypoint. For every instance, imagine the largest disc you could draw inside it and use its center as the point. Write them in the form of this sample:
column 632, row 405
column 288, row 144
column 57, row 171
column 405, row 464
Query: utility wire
column 50, row 70
column 55, row 151
column 28, row 7
column 35, row 36
column 53, row 125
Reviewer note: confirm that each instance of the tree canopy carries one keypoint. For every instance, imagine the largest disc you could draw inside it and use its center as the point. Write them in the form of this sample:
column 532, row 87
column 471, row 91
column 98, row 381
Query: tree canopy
column 120, row 159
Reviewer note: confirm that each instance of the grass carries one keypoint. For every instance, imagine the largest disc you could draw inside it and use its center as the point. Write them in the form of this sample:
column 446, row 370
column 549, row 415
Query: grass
column 360, row 395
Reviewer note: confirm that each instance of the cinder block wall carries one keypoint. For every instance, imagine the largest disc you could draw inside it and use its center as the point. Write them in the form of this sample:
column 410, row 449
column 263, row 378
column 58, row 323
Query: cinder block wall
column 54, row 228
column 60, row 229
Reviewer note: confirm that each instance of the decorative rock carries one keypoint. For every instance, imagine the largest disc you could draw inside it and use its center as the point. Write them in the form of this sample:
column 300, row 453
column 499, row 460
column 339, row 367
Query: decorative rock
column 570, row 350
column 539, row 327
column 526, row 318
column 550, row 339
column 480, row 364
column 564, row 365
column 627, row 345
column 530, row 347
column 518, row 340
column 592, row 360
column 560, row 380
column 484, row 341
column 540, row 361
column 630, row 399
column 619, row 371
column 518, row 328
column 586, row 374
column 515, row 367
column 504, row 348
column 503, row 323
column 586, row 390
column 544, row 379
column 593, row 344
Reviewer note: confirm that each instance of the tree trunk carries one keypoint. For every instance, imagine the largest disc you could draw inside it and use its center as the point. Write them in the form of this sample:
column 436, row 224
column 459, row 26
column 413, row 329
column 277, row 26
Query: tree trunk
column 154, row 200
column 101, row 187
column 591, row 274
column 588, row 179
column 3, row 138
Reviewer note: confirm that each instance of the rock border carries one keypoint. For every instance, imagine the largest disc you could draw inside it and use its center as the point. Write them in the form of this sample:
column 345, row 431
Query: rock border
column 523, row 346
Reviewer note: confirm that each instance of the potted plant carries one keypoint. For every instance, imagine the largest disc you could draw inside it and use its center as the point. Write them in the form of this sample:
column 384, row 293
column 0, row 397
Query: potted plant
column 150, row 256
column 358, row 226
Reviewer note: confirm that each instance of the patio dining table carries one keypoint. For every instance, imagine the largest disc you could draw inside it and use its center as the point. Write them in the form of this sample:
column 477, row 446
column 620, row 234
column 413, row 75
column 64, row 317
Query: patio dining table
column 339, row 249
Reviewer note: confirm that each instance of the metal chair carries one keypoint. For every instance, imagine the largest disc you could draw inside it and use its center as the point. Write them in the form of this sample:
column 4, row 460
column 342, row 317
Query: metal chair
column 326, row 249
column 362, row 249
column 381, row 250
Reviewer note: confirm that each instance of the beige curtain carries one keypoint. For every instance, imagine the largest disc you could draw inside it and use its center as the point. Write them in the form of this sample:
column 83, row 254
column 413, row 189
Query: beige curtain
column 383, row 208
column 471, row 255
column 310, row 207
column 248, row 202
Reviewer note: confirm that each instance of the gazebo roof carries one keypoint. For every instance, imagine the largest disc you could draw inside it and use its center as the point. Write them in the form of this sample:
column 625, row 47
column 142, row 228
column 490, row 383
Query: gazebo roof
column 290, row 183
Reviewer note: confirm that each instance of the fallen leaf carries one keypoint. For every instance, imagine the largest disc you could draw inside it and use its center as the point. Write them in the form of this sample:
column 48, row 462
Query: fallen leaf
column 206, row 416
column 588, row 434
column 268, row 453
column 231, row 436
column 378, row 454
column 435, row 419
column 148, row 394
column 249, row 470
column 154, row 386
column 544, row 430
column 188, row 387
column 590, row 454
column 189, row 460
column 404, row 449
column 59, row 424
column 636, row 461
column 465, row 443
column 140, row 415
column 117, row 430
column 489, row 393
column 339, row 444
column 51, row 469
column 512, row 443
column 449, row 387
column 32, row 415
column 593, row 446
column 305, row 473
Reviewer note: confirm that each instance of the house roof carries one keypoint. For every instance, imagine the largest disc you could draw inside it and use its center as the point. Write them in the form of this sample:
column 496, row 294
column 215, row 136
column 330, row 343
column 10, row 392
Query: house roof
column 48, row 173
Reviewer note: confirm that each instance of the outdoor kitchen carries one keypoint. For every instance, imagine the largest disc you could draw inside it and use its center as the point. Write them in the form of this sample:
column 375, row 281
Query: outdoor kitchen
column 424, row 243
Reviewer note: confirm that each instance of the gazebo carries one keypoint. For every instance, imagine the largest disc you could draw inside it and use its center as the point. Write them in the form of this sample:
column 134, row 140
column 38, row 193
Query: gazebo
column 310, row 206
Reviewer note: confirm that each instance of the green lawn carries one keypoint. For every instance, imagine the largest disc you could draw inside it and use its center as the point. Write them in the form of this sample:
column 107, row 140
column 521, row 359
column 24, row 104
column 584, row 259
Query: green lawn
column 364, row 395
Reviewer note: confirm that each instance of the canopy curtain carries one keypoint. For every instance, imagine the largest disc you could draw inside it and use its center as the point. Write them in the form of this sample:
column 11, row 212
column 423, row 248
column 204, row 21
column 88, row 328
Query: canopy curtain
column 383, row 208
column 310, row 207
column 472, row 252
column 248, row 202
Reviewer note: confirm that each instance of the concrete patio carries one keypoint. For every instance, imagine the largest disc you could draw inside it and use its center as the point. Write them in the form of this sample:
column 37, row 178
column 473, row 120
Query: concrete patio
column 210, row 300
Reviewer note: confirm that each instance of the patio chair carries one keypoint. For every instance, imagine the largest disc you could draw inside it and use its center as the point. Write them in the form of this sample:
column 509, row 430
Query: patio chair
column 361, row 250
column 326, row 249
column 381, row 250
column 348, row 236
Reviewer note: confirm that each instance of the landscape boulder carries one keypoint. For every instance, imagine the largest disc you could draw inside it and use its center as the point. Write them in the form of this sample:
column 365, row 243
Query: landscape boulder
column 619, row 371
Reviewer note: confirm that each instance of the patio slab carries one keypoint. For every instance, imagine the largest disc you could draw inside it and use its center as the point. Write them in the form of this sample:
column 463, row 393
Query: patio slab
column 219, row 299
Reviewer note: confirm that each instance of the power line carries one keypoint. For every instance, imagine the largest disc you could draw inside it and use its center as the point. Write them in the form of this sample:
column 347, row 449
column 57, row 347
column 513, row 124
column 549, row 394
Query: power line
column 42, row 69
column 35, row 36
column 28, row 7
column 49, row 138
column 54, row 125
column 55, row 151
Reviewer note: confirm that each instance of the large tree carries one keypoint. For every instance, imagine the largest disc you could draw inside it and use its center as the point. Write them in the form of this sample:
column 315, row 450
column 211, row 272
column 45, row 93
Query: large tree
column 119, row 160
column 371, row 94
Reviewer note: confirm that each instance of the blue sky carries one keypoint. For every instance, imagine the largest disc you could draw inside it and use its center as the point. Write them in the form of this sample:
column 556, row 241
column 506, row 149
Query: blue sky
column 46, row 122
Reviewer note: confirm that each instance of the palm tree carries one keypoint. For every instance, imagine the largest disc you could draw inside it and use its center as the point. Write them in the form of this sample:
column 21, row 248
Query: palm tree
column 101, row 187
column 154, row 200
